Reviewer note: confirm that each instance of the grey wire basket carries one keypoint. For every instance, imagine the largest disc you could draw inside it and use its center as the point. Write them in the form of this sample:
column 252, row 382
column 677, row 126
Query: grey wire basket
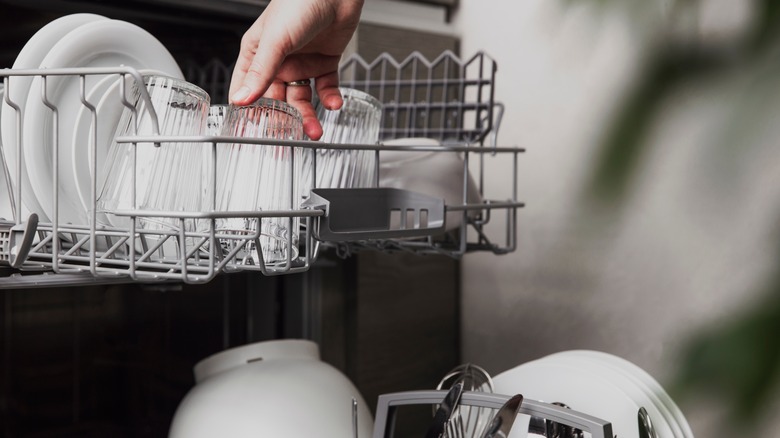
column 446, row 99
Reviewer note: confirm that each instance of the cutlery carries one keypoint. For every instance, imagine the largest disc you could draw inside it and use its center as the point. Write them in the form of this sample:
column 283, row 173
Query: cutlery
column 445, row 411
column 646, row 428
column 354, row 418
column 502, row 422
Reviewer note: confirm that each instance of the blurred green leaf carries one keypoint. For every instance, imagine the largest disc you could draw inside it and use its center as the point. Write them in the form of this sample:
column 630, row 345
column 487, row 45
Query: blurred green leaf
column 669, row 64
column 625, row 140
column 739, row 361
column 766, row 30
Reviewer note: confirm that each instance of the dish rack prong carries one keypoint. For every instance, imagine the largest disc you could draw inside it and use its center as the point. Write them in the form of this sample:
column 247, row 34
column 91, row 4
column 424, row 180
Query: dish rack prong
column 16, row 241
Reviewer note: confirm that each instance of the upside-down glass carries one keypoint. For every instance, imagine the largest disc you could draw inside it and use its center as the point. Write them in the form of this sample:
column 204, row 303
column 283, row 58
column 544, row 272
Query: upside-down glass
column 356, row 122
column 168, row 178
column 261, row 177
column 215, row 119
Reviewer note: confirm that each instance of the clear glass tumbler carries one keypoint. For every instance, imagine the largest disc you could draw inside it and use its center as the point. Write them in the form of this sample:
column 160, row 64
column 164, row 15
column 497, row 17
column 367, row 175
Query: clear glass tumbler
column 261, row 177
column 356, row 122
column 215, row 119
column 168, row 178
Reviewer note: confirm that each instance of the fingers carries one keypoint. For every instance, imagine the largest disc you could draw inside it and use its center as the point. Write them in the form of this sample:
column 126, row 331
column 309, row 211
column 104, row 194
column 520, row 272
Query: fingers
column 246, row 55
column 258, row 76
column 277, row 91
column 281, row 29
column 300, row 98
column 327, row 87
column 264, row 47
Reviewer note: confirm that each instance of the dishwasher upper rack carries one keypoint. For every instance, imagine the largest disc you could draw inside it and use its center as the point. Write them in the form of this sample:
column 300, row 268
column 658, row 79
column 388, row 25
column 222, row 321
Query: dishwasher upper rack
column 446, row 98
column 147, row 255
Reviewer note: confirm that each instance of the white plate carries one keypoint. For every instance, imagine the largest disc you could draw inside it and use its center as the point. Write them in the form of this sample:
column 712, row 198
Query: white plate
column 579, row 389
column 650, row 383
column 663, row 422
column 106, row 97
column 606, row 360
column 31, row 56
column 108, row 43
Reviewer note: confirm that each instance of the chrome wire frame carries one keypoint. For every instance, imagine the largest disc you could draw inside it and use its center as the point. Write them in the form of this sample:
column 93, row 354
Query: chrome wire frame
column 198, row 256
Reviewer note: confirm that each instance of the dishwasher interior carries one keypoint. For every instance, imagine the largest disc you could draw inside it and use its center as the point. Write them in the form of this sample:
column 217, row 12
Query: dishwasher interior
column 96, row 346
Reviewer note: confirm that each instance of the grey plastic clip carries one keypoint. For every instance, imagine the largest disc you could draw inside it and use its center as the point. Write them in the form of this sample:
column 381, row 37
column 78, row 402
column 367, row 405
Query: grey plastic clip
column 16, row 241
column 384, row 213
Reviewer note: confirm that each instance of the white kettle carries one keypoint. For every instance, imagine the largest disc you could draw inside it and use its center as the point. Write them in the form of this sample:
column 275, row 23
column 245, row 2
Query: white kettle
column 273, row 388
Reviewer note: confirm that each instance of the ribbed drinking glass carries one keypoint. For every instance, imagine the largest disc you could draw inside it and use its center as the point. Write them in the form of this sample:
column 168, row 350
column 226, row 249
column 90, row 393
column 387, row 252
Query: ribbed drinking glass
column 168, row 178
column 356, row 122
column 261, row 177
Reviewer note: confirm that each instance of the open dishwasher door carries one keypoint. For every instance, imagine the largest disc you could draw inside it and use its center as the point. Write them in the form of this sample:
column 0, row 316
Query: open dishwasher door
column 85, row 356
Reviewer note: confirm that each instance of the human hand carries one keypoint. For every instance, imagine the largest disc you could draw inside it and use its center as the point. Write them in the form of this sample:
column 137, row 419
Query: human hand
column 294, row 40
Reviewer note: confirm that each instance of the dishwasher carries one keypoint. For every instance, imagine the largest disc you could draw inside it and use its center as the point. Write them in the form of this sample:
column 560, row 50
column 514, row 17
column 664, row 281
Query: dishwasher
column 102, row 325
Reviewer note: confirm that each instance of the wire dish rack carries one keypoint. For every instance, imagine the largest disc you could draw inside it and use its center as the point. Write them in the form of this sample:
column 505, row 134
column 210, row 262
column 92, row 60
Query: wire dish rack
column 447, row 99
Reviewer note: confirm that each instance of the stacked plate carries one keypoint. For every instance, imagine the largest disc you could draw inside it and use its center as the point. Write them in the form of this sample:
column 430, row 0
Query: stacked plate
column 597, row 384
column 82, row 41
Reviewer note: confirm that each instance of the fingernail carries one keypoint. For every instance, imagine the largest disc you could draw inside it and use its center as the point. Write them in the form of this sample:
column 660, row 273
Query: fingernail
column 240, row 95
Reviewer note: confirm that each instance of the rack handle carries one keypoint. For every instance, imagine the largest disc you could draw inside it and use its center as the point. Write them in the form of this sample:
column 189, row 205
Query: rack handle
column 387, row 403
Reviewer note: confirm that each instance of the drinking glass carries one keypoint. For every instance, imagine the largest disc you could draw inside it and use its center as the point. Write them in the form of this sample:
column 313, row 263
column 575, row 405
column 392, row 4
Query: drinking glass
column 167, row 178
column 261, row 177
column 215, row 119
column 356, row 122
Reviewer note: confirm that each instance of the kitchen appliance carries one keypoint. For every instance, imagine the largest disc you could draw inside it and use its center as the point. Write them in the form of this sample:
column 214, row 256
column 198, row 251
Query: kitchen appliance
column 100, row 299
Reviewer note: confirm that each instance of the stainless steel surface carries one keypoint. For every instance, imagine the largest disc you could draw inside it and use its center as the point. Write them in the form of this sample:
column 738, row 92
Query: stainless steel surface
column 471, row 420
column 646, row 429
column 474, row 377
column 445, row 411
column 502, row 423
column 354, row 418
column 537, row 426
column 454, row 428
column 558, row 430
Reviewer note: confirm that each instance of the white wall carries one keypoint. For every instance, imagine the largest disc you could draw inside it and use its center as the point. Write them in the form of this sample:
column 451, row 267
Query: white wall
column 698, row 232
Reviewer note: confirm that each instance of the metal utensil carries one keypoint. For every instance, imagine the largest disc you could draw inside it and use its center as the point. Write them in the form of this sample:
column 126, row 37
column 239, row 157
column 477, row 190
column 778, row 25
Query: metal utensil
column 354, row 418
column 646, row 428
column 454, row 428
column 504, row 418
column 445, row 411
column 471, row 420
